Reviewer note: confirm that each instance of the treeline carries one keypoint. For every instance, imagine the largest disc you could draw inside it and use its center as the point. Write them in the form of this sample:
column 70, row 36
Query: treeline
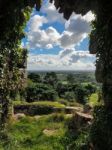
column 51, row 88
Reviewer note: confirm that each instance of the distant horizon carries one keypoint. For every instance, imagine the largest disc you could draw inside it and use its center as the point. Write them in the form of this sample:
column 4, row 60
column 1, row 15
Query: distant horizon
column 61, row 70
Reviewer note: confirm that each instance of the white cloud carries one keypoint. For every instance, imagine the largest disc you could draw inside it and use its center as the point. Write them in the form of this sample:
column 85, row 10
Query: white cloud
column 75, row 60
column 40, row 38
column 66, row 52
column 49, row 46
column 52, row 14
column 89, row 16
column 82, row 56
column 79, row 26
column 70, row 40
column 36, row 22
column 76, row 29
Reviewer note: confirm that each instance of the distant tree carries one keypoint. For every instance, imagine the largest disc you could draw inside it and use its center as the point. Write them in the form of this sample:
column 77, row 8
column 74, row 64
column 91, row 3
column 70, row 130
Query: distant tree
column 90, row 88
column 35, row 77
column 81, row 94
column 40, row 92
column 50, row 95
column 51, row 79
column 31, row 93
column 70, row 96
column 72, row 87
column 70, row 78
column 61, row 89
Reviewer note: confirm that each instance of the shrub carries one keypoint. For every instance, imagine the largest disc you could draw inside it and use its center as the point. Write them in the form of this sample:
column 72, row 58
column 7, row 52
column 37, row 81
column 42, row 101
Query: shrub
column 81, row 142
column 39, row 92
column 101, row 130
column 64, row 102
column 58, row 117
column 81, row 94
column 36, row 108
column 33, row 109
column 78, row 135
column 70, row 96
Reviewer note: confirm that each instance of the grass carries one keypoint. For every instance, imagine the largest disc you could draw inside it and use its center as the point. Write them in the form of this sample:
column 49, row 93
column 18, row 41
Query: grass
column 49, row 132
column 93, row 100
column 41, row 103
column 46, row 132
column 30, row 133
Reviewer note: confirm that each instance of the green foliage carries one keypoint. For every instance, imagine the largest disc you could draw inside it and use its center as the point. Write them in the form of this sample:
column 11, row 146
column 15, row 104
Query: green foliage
column 93, row 100
column 51, row 78
column 40, row 87
column 12, row 57
column 90, row 88
column 40, row 103
column 81, row 142
column 35, row 77
column 57, row 117
column 37, row 108
column 70, row 78
column 36, row 134
column 69, row 96
column 101, row 135
column 41, row 133
column 77, row 137
column 40, row 92
column 61, row 89
column 12, row 16
column 81, row 94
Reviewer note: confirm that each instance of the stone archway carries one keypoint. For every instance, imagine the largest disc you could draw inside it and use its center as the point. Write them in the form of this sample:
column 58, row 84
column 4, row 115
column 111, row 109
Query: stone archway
column 14, row 14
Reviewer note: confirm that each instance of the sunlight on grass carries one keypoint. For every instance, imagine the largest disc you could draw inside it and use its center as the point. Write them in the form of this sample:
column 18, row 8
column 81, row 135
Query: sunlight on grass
column 41, row 103
column 30, row 134
column 93, row 100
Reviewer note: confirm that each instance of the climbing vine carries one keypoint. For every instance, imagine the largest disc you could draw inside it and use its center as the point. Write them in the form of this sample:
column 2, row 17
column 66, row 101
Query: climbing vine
column 13, row 18
column 101, row 44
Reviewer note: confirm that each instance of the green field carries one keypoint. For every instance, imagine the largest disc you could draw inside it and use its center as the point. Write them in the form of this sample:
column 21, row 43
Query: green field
column 37, row 134
column 41, row 103
column 57, row 130
column 41, row 133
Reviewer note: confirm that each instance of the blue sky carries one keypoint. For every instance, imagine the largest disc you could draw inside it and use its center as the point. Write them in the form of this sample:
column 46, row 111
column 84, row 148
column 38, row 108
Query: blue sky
column 56, row 44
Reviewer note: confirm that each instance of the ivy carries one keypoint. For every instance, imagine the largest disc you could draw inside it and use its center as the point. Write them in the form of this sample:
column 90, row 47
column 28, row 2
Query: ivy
column 13, row 18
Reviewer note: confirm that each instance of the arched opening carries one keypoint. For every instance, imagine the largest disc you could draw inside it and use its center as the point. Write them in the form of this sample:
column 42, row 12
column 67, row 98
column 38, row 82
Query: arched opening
column 57, row 45
column 11, row 52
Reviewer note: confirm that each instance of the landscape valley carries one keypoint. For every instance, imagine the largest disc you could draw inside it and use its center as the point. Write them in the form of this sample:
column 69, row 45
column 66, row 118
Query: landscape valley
column 54, row 112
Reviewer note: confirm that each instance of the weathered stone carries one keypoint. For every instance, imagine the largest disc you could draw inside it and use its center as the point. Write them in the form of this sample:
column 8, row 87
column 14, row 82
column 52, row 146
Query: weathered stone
column 19, row 116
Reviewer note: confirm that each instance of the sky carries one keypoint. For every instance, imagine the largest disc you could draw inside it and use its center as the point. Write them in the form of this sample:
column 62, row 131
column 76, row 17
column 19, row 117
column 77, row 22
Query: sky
column 54, row 43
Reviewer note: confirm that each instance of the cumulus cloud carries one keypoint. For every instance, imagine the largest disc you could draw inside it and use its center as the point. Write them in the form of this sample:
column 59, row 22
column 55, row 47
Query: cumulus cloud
column 66, row 52
column 82, row 56
column 75, row 56
column 36, row 22
column 52, row 14
column 70, row 40
column 66, row 59
column 89, row 17
column 40, row 38
column 76, row 29
column 79, row 26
